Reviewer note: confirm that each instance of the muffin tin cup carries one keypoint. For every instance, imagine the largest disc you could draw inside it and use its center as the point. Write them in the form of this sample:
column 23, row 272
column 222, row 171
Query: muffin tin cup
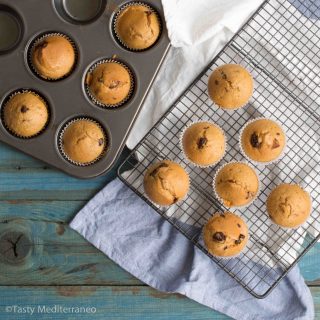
column 37, row 41
column 114, row 25
column 99, row 103
column 5, row 105
column 258, row 163
column 60, row 142
column 300, row 225
column 182, row 149
column 221, row 200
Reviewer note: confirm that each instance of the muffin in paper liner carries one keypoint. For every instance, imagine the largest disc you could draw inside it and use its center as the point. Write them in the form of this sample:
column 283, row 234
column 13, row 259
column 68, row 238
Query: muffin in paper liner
column 298, row 226
column 261, row 163
column 202, row 242
column 60, row 142
column 182, row 148
column 92, row 96
column 179, row 202
column 37, row 41
column 230, row 110
column 221, row 200
column 121, row 10
column 22, row 91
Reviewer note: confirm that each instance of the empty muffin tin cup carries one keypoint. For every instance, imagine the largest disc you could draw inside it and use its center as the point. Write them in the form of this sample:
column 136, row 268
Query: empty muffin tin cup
column 118, row 14
column 221, row 200
column 92, row 96
column 38, row 41
column 259, row 163
column 182, row 148
column 11, row 29
column 64, row 154
column 5, row 103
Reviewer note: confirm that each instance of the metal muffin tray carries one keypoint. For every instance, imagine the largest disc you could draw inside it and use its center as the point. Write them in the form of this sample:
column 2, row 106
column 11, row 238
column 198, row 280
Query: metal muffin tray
column 89, row 25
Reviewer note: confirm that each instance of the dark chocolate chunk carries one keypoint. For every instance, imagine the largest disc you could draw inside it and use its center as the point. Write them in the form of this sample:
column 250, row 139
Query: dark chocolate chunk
column 223, row 75
column 219, row 236
column 237, row 241
column 202, row 142
column 100, row 141
column 241, row 236
column 238, row 225
column 254, row 140
column 275, row 144
column 216, row 82
column 175, row 199
column 156, row 170
column 225, row 248
column 24, row 109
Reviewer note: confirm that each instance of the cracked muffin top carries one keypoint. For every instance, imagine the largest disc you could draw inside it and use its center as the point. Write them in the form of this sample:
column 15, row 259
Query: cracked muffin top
column 137, row 27
column 288, row 205
column 225, row 234
column 166, row 182
column 230, row 86
column 109, row 83
column 203, row 143
column 83, row 141
column 263, row 140
column 53, row 57
column 236, row 184
column 25, row 114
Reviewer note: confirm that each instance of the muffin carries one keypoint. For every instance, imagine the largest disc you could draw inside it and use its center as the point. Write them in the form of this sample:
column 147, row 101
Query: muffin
column 225, row 235
column 166, row 182
column 262, row 140
column 137, row 27
column 25, row 114
column 236, row 184
column 53, row 57
column 83, row 141
column 203, row 143
column 109, row 83
column 230, row 86
column 288, row 205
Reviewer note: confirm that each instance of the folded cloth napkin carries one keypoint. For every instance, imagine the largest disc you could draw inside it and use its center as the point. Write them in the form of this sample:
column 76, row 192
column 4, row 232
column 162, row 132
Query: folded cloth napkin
column 139, row 240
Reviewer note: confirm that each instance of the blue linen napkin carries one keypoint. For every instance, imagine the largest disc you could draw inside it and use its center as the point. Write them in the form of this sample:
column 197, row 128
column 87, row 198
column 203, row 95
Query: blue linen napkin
column 138, row 239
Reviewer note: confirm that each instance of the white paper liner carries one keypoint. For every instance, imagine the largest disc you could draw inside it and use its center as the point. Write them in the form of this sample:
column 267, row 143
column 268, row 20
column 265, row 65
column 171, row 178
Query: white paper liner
column 298, row 226
column 184, row 154
column 60, row 142
column 260, row 163
column 39, row 40
column 17, row 92
column 201, row 238
column 221, row 200
column 124, row 7
column 91, row 95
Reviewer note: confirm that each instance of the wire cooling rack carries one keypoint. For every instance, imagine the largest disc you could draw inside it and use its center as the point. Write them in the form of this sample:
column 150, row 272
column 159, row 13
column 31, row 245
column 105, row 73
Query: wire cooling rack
column 280, row 46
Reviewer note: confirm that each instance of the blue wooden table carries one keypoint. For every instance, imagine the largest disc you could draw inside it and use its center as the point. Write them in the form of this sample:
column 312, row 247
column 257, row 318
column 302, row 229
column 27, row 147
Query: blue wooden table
column 44, row 263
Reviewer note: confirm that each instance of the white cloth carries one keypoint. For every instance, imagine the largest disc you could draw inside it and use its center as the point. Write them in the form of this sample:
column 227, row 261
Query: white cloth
column 197, row 30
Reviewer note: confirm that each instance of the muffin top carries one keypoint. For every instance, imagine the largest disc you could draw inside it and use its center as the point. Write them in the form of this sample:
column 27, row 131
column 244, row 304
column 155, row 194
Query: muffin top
column 166, row 182
column 53, row 57
column 109, row 83
column 225, row 234
column 138, row 27
column 25, row 114
column 263, row 140
column 288, row 205
column 237, row 184
column 230, row 86
column 83, row 141
column 203, row 143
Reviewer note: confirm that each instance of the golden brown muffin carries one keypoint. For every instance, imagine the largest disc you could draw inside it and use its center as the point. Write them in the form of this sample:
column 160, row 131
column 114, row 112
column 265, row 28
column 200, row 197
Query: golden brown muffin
column 137, row 27
column 203, row 143
column 53, row 57
column 236, row 184
column 166, row 182
column 230, row 86
column 225, row 234
column 263, row 140
column 25, row 114
column 109, row 83
column 83, row 141
column 288, row 205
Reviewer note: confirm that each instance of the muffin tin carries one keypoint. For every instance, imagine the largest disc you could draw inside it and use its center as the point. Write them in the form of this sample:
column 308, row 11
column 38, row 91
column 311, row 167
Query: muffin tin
column 89, row 24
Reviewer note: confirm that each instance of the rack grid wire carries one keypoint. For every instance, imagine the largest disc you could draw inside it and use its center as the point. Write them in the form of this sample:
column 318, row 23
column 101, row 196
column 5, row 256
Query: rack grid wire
column 280, row 46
